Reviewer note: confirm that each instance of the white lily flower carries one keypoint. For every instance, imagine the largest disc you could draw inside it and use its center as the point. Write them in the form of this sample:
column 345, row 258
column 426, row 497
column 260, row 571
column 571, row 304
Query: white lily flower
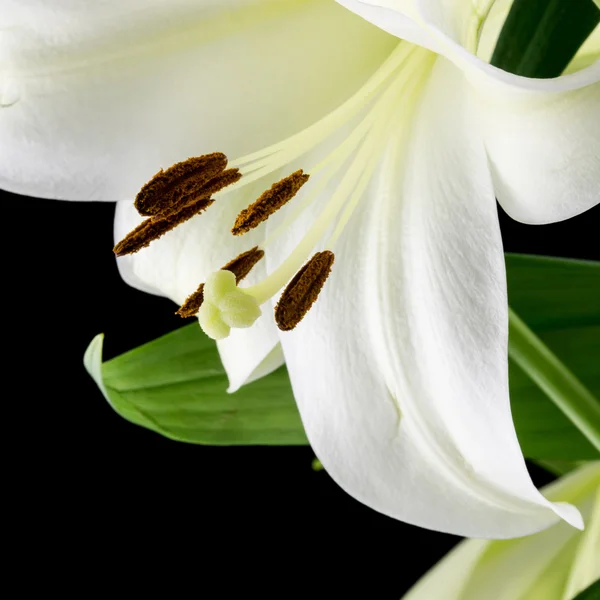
column 556, row 564
column 400, row 367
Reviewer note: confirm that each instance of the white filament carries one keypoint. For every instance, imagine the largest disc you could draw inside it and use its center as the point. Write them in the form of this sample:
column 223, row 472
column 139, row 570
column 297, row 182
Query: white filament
column 387, row 100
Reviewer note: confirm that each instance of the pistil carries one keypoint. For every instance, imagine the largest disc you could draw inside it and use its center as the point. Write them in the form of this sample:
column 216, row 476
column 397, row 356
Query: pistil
column 240, row 266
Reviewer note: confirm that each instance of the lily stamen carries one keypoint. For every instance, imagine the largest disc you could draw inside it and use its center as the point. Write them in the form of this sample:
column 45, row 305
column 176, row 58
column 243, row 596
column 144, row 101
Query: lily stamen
column 151, row 229
column 241, row 265
column 269, row 202
column 305, row 282
column 192, row 303
column 358, row 154
column 167, row 187
column 176, row 195
column 303, row 290
column 225, row 179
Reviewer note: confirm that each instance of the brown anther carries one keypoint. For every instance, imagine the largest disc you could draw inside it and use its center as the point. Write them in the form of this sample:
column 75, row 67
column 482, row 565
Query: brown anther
column 226, row 178
column 244, row 263
column 239, row 266
column 302, row 291
column 151, row 229
column 215, row 185
column 192, row 303
column 269, row 202
column 168, row 187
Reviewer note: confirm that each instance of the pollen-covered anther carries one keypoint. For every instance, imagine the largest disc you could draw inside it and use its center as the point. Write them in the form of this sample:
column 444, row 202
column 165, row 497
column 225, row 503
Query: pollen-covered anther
column 228, row 177
column 240, row 266
column 166, row 188
column 303, row 290
column 151, row 229
column 179, row 208
column 269, row 202
column 192, row 303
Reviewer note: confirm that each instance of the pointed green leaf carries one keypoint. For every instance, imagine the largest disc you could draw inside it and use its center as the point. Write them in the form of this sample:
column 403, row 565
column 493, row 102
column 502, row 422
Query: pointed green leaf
column 176, row 384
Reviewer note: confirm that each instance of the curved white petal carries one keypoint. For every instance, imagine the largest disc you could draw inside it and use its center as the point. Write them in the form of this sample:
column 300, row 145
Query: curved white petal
column 174, row 266
column 544, row 150
column 249, row 354
column 99, row 95
column 541, row 134
column 400, row 368
column 537, row 567
column 418, row 20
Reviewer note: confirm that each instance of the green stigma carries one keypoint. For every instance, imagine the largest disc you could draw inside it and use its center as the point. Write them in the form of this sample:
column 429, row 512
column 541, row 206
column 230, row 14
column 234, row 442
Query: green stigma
column 225, row 306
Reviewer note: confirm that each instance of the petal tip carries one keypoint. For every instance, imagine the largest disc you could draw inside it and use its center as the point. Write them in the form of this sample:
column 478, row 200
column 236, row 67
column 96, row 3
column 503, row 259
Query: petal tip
column 570, row 514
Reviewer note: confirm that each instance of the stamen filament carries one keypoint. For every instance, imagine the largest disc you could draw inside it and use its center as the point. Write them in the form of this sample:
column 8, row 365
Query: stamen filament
column 339, row 115
column 310, row 198
column 279, row 155
column 414, row 86
column 283, row 158
column 267, row 288
column 340, row 154
column 336, row 158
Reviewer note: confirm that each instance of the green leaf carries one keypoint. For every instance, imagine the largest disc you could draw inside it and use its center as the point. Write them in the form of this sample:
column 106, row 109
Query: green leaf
column 176, row 385
column 558, row 300
column 540, row 37
column 590, row 593
column 554, row 378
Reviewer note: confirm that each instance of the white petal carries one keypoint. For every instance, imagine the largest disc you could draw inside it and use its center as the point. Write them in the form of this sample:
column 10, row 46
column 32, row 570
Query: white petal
column 249, row 354
column 109, row 92
column 419, row 20
column 535, row 567
column 174, row 266
column 541, row 134
column 544, row 150
column 400, row 368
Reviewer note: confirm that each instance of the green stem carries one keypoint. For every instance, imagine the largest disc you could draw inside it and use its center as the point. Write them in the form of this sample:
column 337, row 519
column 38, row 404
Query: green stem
column 553, row 378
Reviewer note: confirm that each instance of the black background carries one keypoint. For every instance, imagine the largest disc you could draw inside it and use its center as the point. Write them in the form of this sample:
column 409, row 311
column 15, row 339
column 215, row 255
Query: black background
column 96, row 493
